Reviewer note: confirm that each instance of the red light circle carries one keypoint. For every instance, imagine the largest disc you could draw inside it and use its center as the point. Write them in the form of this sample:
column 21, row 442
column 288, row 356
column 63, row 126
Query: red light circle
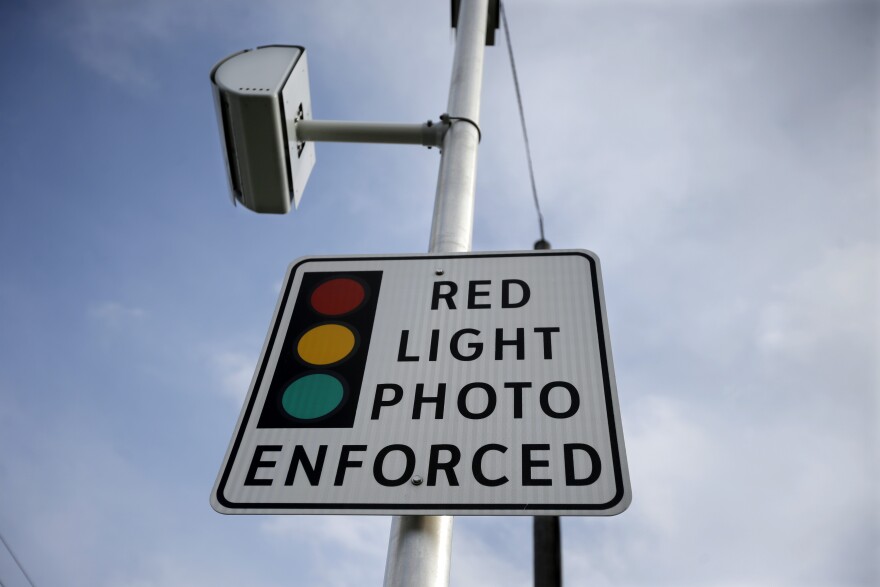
column 338, row 296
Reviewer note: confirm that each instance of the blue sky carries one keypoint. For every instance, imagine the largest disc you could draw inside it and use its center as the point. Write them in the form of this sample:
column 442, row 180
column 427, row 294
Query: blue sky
column 719, row 157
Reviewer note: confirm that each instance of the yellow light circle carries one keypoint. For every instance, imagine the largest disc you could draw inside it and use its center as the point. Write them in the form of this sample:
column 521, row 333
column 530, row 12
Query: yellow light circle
column 325, row 344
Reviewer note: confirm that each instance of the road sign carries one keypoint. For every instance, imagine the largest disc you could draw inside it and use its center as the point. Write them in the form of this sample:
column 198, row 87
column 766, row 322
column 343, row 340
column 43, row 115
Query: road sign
column 433, row 384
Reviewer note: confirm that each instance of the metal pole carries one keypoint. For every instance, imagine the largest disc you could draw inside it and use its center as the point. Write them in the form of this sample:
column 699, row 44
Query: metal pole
column 420, row 547
column 548, row 554
column 454, row 204
column 546, row 536
column 427, row 134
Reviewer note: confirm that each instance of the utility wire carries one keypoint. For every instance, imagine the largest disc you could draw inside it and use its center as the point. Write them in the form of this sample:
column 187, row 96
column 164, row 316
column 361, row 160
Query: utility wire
column 522, row 118
column 12, row 554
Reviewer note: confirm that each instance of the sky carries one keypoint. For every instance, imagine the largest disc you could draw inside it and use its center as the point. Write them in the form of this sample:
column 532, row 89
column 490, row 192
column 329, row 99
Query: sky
column 720, row 157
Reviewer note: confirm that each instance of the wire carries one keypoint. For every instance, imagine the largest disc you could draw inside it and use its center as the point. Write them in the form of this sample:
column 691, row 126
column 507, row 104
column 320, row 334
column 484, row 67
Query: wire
column 12, row 554
column 522, row 118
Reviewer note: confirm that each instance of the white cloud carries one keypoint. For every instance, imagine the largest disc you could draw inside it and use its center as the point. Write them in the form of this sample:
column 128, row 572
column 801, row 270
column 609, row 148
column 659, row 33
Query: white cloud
column 341, row 550
column 234, row 371
column 836, row 301
column 492, row 551
column 108, row 36
column 119, row 40
column 175, row 569
column 116, row 314
column 75, row 491
column 357, row 535
column 732, row 496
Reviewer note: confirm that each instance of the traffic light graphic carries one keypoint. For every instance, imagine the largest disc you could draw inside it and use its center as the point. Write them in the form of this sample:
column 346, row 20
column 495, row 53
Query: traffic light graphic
column 317, row 382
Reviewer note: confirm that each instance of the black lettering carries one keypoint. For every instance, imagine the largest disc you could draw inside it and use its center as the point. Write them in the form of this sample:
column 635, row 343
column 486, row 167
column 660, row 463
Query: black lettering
column 505, row 293
column 344, row 463
column 595, row 464
column 573, row 395
column 259, row 463
column 528, row 464
column 437, row 294
column 401, row 351
column 439, row 400
column 517, row 387
column 518, row 342
column 477, row 466
column 379, row 401
column 548, row 347
column 408, row 469
column 435, row 340
column 476, row 347
column 447, row 467
column 491, row 400
column 473, row 294
column 313, row 472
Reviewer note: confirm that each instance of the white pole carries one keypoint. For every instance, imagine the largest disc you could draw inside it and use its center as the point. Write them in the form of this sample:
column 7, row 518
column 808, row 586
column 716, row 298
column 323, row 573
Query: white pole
column 420, row 547
column 454, row 204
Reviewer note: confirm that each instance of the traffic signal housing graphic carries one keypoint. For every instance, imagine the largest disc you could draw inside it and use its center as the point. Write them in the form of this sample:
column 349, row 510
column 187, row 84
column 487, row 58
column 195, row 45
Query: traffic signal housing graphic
column 317, row 381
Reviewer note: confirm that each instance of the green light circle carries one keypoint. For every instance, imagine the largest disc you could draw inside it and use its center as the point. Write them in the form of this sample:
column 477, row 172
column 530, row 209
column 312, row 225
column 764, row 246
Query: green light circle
column 312, row 396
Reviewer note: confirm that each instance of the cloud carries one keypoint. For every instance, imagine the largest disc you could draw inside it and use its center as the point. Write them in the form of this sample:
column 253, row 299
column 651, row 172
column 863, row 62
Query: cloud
column 120, row 40
column 340, row 550
column 109, row 37
column 727, row 492
column 358, row 535
column 116, row 314
column 74, row 488
column 835, row 301
column 492, row 551
column 234, row 371
column 176, row 569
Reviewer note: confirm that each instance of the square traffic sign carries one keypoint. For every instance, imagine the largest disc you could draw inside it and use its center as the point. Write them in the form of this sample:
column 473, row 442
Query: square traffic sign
column 433, row 384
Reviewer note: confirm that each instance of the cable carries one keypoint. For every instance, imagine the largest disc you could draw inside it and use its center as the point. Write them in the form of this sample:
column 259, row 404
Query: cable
column 522, row 118
column 12, row 554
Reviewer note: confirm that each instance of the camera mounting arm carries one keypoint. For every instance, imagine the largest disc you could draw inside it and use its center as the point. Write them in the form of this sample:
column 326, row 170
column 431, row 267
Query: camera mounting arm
column 428, row 134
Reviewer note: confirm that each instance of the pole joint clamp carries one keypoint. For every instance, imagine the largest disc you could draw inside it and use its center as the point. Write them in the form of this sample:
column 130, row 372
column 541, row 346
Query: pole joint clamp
column 450, row 120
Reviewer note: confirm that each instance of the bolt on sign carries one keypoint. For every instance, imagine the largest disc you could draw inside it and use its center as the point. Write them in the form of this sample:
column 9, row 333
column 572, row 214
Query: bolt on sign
column 433, row 384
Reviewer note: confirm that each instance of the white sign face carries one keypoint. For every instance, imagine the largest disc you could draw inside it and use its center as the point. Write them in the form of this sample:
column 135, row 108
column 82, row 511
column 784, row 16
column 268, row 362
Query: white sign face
column 433, row 384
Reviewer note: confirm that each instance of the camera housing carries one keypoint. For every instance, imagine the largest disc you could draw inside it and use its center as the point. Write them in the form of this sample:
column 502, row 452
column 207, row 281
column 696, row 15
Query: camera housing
column 259, row 95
